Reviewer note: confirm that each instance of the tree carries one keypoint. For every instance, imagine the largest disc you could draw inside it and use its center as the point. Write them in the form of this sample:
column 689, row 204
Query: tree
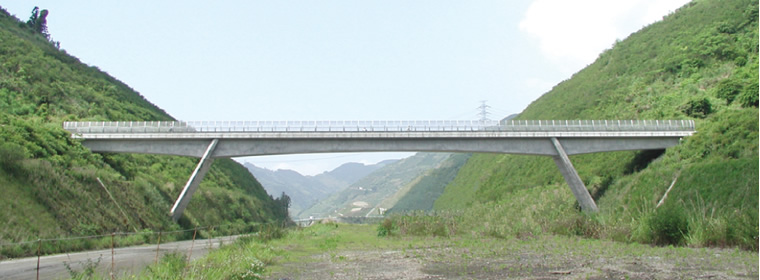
column 697, row 108
column 284, row 200
column 728, row 89
column 38, row 21
column 749, row 96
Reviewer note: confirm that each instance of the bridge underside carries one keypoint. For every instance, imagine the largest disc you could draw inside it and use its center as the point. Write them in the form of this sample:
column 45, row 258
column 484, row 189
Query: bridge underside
column 208, row 149
column 257, row 147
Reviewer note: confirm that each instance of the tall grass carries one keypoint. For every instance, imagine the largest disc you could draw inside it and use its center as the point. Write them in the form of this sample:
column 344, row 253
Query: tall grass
column 247, row 258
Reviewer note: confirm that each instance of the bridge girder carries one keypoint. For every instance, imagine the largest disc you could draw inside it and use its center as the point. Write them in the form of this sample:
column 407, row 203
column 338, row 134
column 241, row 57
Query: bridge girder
column 235, row 147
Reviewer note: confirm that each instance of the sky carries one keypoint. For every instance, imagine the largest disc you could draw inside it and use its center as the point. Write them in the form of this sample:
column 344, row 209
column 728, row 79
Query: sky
column 341, row 59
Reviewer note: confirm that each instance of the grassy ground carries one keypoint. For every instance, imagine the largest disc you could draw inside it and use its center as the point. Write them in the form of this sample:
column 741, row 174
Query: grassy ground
column 341, row 251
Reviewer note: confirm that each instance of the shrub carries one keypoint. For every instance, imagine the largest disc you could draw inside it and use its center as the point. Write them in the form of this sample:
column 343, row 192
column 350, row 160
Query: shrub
column 88, row 269
column 270, row 231
column 170, row 267
column 10, row 155
column 728, row 89
column 697, row 108
column 749, row 96
column 419, row 224
column 669, row 225
column 385, row 228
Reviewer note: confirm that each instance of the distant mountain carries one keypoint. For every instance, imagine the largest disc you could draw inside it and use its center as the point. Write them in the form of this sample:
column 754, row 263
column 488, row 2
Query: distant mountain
column 305, row 191
column 349, row 173
column 428, row 187
column 381, row 189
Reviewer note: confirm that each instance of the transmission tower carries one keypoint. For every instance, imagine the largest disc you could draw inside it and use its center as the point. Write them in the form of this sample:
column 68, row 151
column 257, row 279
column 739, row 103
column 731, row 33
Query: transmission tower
column 484, row 111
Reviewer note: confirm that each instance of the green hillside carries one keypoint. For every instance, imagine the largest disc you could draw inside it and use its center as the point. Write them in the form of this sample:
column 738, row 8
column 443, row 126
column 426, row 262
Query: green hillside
column 49, row 181
column 380, row 189
column 701, row 63
column 424, row 192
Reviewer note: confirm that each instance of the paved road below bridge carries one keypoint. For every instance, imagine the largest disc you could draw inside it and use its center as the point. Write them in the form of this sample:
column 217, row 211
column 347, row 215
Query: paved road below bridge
column 127, row 261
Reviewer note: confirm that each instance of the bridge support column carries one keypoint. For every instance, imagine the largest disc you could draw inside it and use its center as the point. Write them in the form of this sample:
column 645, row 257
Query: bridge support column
column 193, row 182
column 573, row 179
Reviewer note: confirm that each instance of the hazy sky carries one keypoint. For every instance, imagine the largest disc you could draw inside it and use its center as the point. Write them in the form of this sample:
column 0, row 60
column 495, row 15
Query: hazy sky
column 341, row 60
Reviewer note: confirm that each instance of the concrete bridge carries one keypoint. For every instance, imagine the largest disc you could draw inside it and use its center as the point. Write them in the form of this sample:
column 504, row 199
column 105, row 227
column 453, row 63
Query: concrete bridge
column 209, row 140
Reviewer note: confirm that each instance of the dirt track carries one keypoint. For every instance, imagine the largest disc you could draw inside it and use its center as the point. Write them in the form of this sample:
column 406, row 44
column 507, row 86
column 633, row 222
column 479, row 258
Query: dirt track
column 537, row 261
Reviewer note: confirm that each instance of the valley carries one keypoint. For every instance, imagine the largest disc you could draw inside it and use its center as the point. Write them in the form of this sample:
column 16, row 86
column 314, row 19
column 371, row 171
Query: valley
column 688, row 209
column 305, row 191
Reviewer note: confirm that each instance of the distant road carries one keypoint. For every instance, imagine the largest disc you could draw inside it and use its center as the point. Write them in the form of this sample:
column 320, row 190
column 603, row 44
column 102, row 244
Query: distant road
column 127, row 261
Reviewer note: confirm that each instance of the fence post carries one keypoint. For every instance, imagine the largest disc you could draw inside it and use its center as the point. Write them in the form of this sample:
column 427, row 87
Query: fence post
column 112, row 256
column 158, row 246
column 210, row 238
column 190, row 255
column 39, row 246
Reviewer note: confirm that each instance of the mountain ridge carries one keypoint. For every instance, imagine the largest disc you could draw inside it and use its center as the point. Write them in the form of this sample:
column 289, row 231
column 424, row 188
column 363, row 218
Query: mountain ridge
column 306, row 190
column 370, row 192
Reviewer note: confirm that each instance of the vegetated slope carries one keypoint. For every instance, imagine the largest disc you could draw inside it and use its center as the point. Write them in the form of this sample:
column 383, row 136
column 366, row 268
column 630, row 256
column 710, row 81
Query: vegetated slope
column 304, row 191
column 49, row 181
column 349, row 173
column 700, row 62
column 423, row 193
column 380, row 189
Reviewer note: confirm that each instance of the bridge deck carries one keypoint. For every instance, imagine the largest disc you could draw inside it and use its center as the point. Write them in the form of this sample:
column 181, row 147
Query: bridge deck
column 599, row 128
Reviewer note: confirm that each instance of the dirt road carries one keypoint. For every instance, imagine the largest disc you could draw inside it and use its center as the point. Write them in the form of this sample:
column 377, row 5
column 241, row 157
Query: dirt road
column 441, row 263
column 539, row 258
column 126, row 261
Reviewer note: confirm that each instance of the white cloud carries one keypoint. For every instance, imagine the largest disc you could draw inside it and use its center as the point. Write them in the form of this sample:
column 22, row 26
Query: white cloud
column 571, row 34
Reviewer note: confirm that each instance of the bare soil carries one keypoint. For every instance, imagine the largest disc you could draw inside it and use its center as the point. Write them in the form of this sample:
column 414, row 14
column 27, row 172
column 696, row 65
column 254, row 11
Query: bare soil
column 541, row 258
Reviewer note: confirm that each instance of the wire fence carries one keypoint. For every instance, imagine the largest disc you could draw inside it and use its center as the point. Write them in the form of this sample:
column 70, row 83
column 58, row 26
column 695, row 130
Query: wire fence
column 29, row 256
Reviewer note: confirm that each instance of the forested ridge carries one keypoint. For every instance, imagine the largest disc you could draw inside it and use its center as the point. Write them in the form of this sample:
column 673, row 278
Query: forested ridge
column 700, row 63
column 50, row 181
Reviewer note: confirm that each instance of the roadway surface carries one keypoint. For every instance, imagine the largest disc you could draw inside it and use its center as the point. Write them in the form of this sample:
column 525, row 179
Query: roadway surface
column 127, row 260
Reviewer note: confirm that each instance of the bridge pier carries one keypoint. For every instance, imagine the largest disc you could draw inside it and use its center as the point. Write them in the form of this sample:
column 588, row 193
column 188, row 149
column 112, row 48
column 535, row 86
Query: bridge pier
column 572, row 178
column 195, row 180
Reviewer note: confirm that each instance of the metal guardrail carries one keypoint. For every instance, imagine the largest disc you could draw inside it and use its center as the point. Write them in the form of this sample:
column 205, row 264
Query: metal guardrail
column 378, row 126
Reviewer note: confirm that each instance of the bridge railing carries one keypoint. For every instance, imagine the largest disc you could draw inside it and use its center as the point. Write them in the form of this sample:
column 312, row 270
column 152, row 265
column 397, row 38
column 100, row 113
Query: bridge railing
column 377, row 126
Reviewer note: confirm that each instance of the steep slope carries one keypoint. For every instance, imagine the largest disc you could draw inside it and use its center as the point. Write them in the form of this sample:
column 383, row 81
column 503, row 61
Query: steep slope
column 53, row 180
column 701, row 63
column 305, row 191
column 380, row 189
column 424, row 192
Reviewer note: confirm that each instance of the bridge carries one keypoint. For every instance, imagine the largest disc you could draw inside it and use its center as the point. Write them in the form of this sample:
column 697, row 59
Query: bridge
column 209, row 139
